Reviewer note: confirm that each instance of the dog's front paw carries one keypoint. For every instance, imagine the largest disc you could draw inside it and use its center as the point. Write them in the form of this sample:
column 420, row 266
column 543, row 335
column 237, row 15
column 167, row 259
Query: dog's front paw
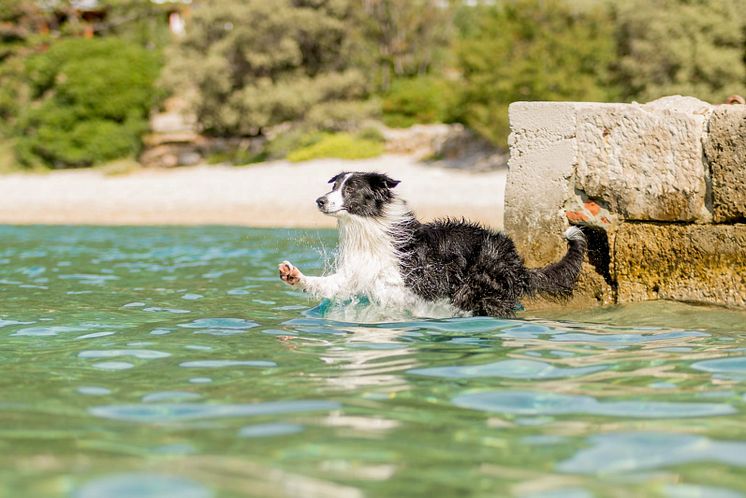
column 289, row 273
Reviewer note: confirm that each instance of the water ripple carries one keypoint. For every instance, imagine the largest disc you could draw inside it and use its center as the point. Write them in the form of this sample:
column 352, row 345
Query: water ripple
column 227, row 363
column 734, row 368
column 168, row 412
column 269, row 430
column 539, row 403
column 142, row 485
column 220, row 323
column 512, row 369
column 143, row 354
column 170, row 396
column 113, row 365
column 626, row 452
column 47, row 331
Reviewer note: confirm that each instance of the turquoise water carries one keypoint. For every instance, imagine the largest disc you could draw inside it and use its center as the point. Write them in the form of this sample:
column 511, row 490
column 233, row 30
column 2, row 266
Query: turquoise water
column 172, row 362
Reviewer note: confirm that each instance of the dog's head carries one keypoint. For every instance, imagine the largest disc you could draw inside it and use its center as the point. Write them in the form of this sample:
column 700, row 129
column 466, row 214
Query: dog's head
column 359, row 194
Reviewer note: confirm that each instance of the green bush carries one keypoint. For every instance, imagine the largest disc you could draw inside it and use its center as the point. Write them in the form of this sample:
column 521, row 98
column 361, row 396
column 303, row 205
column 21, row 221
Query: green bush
column 236, row 157
column 290, row 141
column 670, row 47
column 254, row 64
column 339, row 145
column 92, row 99
column 424, row 99
column 532, row 50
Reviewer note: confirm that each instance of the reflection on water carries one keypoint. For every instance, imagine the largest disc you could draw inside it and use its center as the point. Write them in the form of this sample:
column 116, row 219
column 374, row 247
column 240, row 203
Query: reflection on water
column 144, row 362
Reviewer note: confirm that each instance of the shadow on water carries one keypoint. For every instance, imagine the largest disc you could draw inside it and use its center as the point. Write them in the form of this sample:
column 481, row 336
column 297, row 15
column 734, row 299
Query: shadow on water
column 172, row 362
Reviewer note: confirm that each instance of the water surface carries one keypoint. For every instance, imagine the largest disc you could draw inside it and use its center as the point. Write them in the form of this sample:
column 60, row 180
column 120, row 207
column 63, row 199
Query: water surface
column 171, row 362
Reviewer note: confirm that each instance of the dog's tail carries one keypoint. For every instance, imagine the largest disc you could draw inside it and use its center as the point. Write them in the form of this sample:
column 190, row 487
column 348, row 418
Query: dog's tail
column 558, row 279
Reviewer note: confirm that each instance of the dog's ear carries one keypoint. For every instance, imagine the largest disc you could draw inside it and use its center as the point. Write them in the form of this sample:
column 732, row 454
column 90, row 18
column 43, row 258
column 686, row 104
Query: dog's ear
column 390, row 182
column 381, row 180
column 335, row 178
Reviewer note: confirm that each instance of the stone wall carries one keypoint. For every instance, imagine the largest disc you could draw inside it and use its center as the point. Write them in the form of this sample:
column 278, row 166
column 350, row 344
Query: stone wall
column 660, row 189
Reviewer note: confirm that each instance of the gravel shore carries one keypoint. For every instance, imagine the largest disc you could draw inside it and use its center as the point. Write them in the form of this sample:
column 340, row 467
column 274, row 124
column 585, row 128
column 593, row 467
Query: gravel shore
column 275, row 194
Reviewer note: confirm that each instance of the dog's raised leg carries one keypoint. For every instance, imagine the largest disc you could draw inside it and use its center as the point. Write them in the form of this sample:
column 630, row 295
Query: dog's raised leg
column 320, row 287
column 289, row 273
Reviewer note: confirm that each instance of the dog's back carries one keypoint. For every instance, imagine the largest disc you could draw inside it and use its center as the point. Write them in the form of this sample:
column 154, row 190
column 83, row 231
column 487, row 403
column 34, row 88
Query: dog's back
column 479, row 270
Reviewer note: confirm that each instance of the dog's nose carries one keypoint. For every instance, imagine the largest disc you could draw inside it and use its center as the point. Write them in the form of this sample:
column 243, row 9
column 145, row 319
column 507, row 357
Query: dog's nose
column 321, row 202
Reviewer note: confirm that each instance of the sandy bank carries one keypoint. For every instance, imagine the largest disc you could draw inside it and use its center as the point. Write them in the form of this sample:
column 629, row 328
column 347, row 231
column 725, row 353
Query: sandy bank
column 279, row 194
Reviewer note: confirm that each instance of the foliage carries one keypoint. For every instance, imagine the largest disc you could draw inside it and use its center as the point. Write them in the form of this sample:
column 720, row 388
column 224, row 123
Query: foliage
column 339, row 145
column 255, row 64
column 291, row 140
column 688, row 47
column 532, row 50
column 403, row 38
column 92, row 99
column 236, row 157
column 424, row 99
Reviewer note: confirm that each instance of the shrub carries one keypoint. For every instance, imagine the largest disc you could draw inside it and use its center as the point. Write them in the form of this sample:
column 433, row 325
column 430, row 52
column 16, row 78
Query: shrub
column 255, row 64
column 290, row 141
column 424, row 99
column 670, row 47
column 339, row 145
column 532, row 50
column 92, row 99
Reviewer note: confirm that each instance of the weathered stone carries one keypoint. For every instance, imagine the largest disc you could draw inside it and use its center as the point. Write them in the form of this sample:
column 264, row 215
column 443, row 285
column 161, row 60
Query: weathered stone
column 700, row 263
column 645, row 161
column 541, row 166
column 170, row 156
column 725, row 148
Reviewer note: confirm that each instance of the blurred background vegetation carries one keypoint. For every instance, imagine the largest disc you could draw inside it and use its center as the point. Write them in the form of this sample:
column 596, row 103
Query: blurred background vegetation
column 307, row 78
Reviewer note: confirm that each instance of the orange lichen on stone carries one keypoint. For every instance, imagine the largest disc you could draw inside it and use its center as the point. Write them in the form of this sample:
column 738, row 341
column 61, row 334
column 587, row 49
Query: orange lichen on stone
column 576, row 216
column 592, row 207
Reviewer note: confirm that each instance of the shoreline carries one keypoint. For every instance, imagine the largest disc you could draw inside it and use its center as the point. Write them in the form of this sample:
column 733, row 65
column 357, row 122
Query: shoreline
column 275, row 194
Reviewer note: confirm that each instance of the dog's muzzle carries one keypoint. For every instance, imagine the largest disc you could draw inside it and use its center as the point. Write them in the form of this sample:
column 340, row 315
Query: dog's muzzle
column 322, row 203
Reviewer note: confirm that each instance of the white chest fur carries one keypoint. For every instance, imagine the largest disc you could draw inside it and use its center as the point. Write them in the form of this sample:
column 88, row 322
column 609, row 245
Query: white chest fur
column 368, row 263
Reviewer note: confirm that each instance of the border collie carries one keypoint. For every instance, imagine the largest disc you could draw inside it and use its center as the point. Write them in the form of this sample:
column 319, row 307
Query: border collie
column 393, row 260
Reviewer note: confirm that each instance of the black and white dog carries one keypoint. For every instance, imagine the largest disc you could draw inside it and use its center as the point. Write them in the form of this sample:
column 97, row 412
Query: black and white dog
column 388, row 256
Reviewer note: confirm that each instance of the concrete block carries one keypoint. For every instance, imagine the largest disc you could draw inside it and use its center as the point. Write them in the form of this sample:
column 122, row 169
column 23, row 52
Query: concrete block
column 645, row 161
column 699, row 263
column 725, row 149
column 541, row 165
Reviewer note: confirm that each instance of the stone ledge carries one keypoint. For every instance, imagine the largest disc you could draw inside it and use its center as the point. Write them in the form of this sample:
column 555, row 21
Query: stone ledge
column 698, row 263
column 725, row 149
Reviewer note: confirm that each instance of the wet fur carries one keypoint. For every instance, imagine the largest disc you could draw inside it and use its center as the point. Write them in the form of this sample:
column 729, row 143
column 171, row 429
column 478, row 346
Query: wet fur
column 390, row 257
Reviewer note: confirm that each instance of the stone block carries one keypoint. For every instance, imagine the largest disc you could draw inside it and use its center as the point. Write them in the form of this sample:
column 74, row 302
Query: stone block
column 725, row 149
column 698, row 263
column 645, row 161
column 541, row 165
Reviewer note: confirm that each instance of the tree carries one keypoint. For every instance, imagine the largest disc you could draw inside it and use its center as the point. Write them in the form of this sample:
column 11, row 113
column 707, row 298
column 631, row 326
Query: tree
column 531, row 50
column 688, row 47
column 253, row 64
column 405, row 37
